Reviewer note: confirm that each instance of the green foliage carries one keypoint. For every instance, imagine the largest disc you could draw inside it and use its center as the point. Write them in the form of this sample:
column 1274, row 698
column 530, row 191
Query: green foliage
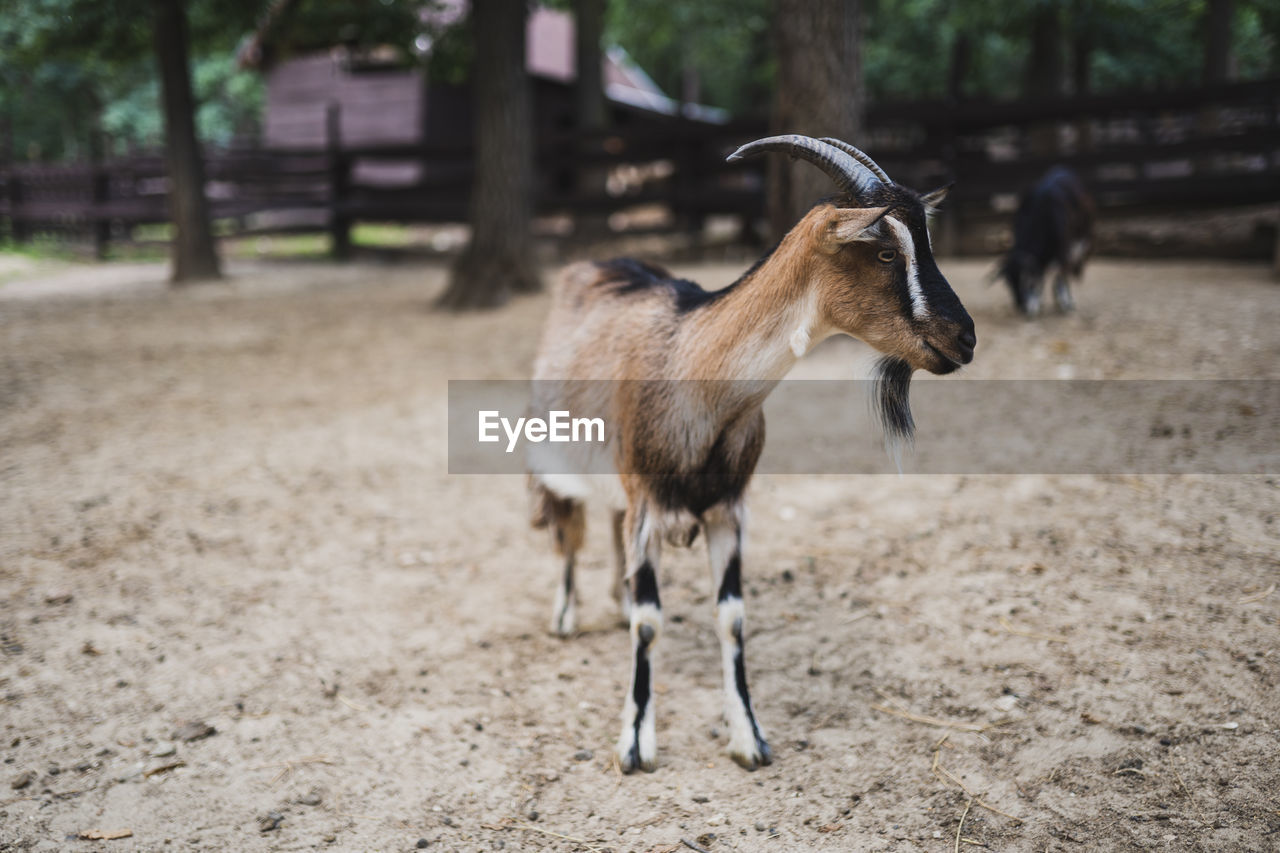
column 1134, row 44
column 312, row 25
column 724, row 44
column 452, row 50
column 67, row 66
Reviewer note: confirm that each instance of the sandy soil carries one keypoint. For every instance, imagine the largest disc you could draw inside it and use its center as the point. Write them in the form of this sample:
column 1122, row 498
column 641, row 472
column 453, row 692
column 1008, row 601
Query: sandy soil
column 229, row 505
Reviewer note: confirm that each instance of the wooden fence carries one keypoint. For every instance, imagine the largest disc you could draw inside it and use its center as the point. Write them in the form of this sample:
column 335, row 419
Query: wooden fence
column 1172, row 151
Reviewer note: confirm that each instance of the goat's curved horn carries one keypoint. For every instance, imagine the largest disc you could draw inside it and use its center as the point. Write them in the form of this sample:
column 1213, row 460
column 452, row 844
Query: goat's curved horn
column 860, row 156
column 849, row 174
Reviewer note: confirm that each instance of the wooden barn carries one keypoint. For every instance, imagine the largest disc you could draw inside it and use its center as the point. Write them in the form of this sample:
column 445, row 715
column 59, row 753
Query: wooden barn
column 380, row 103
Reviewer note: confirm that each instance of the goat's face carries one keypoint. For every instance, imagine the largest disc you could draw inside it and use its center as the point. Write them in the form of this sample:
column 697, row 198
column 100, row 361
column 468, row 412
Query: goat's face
column 878, row 281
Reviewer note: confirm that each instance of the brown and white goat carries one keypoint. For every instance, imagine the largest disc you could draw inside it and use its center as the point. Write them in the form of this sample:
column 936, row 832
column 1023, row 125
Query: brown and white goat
column 686, row 372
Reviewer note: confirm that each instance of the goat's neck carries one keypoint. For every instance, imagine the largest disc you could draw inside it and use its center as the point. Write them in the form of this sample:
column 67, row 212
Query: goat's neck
column 761, row 327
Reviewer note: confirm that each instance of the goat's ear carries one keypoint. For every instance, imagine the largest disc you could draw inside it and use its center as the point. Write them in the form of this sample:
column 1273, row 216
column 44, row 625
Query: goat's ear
column 932, row 201
column 848, row 225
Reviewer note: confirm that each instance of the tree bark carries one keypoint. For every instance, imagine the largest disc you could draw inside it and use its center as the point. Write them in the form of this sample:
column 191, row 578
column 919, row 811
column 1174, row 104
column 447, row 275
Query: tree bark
column 592, row 113
column 819, row 93
column 958, row 68
column 1045, row 74
column 499, row 259
column 1217, row 44
column 1044, row 65
column 194, row 254
column 589, row 89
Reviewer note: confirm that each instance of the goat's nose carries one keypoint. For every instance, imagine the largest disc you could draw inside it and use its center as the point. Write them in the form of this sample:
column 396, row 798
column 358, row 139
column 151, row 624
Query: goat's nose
column 968, row 338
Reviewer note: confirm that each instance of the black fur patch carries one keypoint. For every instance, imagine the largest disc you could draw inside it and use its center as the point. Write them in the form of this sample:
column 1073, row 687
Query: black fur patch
column 627, row 275
column 891, row 398
column 740, row 683
column 721, row 478
column 645, row 588
column 640, row 694
column 731, row 585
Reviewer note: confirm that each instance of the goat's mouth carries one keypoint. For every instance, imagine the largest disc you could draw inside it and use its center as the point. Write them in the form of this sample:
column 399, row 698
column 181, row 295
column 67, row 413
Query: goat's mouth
column 942, row 362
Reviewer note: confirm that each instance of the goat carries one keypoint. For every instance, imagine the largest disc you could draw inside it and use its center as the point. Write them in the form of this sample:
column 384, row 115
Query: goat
column 688, row 371
column 1053, row 228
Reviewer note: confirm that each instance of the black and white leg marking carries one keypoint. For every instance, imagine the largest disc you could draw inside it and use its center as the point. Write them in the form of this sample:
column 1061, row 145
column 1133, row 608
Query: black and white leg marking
column 637, row 744
column 564, row 616
column 747, row 744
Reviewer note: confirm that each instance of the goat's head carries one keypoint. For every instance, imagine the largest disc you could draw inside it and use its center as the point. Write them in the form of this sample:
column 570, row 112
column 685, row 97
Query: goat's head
column 1025, row 278
column 872, row 264
column 871, row 260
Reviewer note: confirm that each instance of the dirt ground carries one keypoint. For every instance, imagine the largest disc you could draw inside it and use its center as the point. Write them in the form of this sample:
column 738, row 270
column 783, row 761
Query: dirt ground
column 229, row 505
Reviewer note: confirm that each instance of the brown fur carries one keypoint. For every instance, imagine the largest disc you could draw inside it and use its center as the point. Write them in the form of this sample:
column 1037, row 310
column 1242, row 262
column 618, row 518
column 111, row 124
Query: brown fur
column 825, row 277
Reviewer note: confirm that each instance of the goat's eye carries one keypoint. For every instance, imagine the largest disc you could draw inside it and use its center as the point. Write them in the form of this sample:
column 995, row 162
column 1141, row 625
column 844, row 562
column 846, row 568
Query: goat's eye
column 887, row 256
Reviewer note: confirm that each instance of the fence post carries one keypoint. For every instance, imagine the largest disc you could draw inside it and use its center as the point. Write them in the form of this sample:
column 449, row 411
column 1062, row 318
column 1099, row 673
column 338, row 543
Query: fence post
column 6, row 169
column 99, row 191
column 689, row 218
column 1275, row 260
column 17, row 228
column 17, row 225
column 339, row 176
column 948, row 224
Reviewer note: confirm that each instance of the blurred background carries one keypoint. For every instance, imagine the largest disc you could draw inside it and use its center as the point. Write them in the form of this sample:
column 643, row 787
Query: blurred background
column 244, row 604
column 506, row 134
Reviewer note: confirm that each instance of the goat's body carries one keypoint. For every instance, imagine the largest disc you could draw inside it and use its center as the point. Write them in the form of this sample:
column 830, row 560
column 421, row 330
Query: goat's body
column 679, row 376
column 622, row 338
column 1053, row 231
column 701, row 435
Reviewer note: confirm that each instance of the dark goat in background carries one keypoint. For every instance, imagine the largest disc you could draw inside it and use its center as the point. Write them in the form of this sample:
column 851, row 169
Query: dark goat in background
column 1053, row 229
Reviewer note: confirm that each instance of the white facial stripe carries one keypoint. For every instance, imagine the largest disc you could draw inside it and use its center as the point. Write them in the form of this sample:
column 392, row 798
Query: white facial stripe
column 918, row 305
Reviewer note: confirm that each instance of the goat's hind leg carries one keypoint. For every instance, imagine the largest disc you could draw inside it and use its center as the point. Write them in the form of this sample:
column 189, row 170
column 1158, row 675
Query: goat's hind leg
column 747, row 745
column 638, row 744
column 621, row 589
column 567, row 521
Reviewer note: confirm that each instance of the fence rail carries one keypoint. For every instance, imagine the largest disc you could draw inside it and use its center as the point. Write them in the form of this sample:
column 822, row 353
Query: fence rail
column 1137, row 152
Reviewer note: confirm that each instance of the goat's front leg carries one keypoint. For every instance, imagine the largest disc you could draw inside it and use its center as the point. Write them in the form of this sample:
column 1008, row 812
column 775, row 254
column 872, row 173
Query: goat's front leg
column 638, row 743
column 747, row 745
column 1062, row 292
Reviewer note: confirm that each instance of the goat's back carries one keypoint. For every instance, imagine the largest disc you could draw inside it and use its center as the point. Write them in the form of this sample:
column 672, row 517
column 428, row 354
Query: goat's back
column 1053, row 215
column 609, row 320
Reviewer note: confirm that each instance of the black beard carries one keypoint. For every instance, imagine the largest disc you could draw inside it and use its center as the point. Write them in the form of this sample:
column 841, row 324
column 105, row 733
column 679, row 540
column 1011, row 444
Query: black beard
column 891, row 399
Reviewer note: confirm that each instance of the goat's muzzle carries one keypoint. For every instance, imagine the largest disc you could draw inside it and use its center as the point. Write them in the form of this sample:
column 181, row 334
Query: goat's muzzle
column 949, row 348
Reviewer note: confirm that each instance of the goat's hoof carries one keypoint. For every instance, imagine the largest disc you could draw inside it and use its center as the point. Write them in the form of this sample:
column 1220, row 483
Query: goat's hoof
column 565, row 623
column 753, row 756
column 630, row 759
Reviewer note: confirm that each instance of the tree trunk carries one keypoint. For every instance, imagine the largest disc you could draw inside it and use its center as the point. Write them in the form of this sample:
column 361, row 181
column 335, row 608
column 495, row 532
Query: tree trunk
column 1044, row 65
column 194, row 254
column 499, row 259
column 958, row 70
column 589, row 31
column 1045, row 73
column 592, row 114
column 1217, row 44
column 819, row 93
